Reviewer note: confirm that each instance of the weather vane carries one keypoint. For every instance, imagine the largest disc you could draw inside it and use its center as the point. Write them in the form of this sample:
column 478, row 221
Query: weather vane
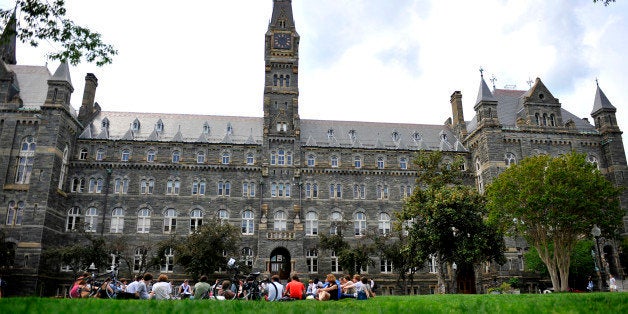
column 493, row 80
column 481, row 72
column 597, row 82
column 529, row 81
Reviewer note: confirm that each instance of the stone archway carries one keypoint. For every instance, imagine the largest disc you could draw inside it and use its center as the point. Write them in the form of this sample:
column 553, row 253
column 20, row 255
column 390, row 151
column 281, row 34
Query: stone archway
column 280, row 263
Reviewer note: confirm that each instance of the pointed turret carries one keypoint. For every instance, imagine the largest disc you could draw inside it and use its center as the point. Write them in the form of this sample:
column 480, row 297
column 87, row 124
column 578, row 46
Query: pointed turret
column 8, row 40
column 604, row 113
column 486, row 105
column 60, row 87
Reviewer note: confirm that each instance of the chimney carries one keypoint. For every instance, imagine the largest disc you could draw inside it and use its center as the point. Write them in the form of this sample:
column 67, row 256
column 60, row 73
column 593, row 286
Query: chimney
column 86, row 112
column 458, row 124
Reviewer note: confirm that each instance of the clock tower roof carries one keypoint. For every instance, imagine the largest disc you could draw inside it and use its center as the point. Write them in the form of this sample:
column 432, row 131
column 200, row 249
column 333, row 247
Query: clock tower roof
column 282, row 17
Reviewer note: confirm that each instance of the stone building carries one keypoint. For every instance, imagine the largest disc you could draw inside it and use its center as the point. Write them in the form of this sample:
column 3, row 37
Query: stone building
column 281, row 179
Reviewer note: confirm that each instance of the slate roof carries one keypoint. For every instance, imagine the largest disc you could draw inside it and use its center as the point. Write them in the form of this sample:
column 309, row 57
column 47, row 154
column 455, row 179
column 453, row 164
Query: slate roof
column 509, row 104
column 601, row 102
column 248, row 130
column 33, row 83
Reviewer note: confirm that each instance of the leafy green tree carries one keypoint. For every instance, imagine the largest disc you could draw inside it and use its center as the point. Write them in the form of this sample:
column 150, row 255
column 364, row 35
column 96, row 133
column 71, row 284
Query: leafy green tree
column 554, row 202
column 351, row 259
column 395, row 248
column 125, row 248
column 79, row 256
column 446, row 218
column 35, row 21
column 202, row 251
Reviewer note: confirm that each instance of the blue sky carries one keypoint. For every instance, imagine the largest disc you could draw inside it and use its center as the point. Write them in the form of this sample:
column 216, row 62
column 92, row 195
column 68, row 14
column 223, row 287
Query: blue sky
column 367, row 60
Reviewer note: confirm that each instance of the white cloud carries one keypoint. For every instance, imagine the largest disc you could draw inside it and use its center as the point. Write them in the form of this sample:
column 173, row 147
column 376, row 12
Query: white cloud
column 375, row 60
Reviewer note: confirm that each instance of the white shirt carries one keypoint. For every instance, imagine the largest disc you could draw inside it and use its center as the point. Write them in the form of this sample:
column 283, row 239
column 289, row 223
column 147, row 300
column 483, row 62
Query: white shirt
column 274, row 294
column 162, row 290
column 132, row 287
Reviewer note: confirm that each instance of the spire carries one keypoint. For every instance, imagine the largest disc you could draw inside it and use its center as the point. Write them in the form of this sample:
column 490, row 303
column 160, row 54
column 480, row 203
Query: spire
column 62, row 73
column 601, row 102
column 282, row 15
column 484, row 94
column 7, row 41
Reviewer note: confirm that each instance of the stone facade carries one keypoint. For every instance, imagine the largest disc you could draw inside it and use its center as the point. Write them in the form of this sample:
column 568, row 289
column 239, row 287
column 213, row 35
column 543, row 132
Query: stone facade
column 282, row 179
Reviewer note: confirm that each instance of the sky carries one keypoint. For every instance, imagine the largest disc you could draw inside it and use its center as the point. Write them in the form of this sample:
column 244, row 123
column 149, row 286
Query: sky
column 360, row 60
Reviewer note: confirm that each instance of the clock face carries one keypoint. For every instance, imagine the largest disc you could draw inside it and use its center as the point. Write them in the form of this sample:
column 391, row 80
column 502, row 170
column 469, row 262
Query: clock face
column 282, row 41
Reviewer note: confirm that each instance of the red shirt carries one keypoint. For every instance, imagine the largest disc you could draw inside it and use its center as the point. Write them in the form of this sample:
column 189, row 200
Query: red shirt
column 295, row 289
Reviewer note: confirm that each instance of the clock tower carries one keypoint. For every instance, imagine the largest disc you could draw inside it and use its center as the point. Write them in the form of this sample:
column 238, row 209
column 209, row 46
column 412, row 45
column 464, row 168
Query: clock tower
column 281, row 87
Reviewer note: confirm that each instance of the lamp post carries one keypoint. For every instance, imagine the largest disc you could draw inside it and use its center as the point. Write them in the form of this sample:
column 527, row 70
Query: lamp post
column 596, row 232
column 454, row 266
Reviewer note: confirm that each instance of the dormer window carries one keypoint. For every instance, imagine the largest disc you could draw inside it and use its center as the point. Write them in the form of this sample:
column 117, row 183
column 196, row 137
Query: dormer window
column 159, row 127
column 416, row 136
column 395, row 136
column 229, row 129
column 105, row 123
column 443, row 136
column 352, row 135
column 206, row 128
column 135, row 126
column 330, row 133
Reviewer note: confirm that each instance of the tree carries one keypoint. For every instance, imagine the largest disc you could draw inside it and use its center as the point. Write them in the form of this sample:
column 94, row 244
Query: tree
column 350, row 259
column 80, row 255
column 396, row 248
column 206, row 250
column 582, row 264
column 446, row 218
column 553, row 203
column 137, row 252
column 33, row 21
column 605, row 2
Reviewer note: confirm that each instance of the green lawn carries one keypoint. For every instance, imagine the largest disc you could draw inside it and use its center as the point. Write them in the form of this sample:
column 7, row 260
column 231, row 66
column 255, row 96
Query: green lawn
column 524, row 303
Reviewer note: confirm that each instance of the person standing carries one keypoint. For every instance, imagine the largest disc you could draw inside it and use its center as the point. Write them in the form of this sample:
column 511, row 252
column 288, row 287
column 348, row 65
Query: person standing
column 185, row 290
column 295, row 289
column 611, row 283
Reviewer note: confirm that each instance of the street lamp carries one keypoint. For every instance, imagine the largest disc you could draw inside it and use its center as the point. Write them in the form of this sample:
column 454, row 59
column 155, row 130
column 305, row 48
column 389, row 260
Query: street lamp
column 596, row 232
column 454, row 266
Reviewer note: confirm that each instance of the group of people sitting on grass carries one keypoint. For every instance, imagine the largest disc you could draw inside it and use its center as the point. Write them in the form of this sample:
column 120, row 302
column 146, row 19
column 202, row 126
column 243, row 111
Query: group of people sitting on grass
column 356, row 287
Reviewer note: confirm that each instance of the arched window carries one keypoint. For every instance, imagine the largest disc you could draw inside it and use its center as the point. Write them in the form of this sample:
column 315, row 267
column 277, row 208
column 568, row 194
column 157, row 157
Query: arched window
column 223, row 216
column 226, row 158
column 147, row 186
column 150, row 155
column 537, row 118
column 359, row 223
column 91, row 219
column 143, row 220
column 196, row 220
column 117, row 220
column 334, row 161
column 126, row 155
column 552, row 120
column 64, row 167
column 545, row 119
column 121, row 186
column 311, row 224
column 384, row 223
column 25, row 160
column 224, row 188
column 510, row 159
column 287, row 80
column 280, row 221
column 173, row 187
column 82, row 154
column 247, row 222
column 250, row 159
column 206, row 128
column 335, row 190
column 395, row 136
column 403, row 163
column 176, row 156
column 275, row 80
column 15, row 213
column 380, row 162
column 136, row 125
column 359, row 191
column 160, row 126
column 200, row 157
column 198, row 187
column 335, row 220
column 593, row 160
column 170, row 221
column 74, row 219
column 311, row 160
column 357, row 162
column 382, row 191
column 100, row 154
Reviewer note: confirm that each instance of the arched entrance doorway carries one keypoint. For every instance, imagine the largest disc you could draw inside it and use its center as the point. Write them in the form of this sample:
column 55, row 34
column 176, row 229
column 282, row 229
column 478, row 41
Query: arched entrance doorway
column 280, row 263
column 465, row 280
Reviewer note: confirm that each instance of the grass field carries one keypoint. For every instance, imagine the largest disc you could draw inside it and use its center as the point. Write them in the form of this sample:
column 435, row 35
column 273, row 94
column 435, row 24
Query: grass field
column 524, row 303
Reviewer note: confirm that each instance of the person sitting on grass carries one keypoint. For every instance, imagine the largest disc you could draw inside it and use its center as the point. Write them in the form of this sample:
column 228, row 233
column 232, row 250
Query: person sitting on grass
column 79, row 286
column 295, row 289
column 366, row 287
column 331, row 290
column 275, row 289
column 347, row 287
column 201, row 289
column 162, row 290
